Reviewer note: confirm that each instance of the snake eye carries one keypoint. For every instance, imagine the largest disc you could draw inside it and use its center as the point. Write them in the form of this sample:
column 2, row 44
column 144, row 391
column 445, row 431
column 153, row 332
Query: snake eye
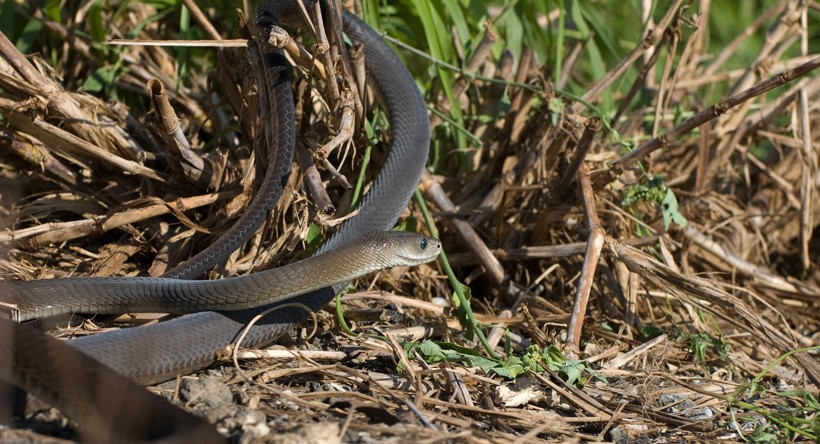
column 423, row 243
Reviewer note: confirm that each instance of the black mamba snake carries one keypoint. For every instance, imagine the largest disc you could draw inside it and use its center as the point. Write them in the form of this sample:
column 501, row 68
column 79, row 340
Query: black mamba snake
column 164, row 350
column 113, row 295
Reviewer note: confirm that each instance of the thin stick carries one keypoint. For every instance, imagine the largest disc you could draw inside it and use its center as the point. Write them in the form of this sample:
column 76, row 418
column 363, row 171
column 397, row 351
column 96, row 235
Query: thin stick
column 595, row 244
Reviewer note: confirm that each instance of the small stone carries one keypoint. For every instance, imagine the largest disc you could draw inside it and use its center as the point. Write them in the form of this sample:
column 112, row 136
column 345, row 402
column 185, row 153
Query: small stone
column 208, row 392
column 252, row 422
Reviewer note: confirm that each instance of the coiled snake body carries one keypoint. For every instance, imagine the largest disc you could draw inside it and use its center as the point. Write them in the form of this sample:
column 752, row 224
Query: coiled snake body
column 164, row 350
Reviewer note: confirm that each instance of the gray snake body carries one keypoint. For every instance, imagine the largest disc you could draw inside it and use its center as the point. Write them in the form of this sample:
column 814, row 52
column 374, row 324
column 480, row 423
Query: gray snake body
column 112, row 295
column 164, row 350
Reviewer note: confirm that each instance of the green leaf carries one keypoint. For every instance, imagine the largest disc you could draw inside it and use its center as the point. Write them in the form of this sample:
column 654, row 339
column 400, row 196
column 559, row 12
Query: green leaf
column 431, row 351
column 95, row 22
column 701, row 343
column 52, row 10
column 26, row 42
column 654, row 191
column 510, row 369
column 101, row 80
column 764, row 433
column 573, row 370
column 314, row 235
column 671, row 212
column 482, row 362
column 456, row 17
column 553, row 355
column 462, row 313
column 556, row 107
column 408, row 224
column 504, row 372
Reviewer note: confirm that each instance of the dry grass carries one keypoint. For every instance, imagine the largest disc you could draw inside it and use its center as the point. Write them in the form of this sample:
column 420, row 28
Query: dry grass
column 691, row 332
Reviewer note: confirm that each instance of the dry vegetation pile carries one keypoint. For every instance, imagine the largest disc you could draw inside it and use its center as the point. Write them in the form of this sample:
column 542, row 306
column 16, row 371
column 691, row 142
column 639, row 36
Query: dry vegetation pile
column 661, row 293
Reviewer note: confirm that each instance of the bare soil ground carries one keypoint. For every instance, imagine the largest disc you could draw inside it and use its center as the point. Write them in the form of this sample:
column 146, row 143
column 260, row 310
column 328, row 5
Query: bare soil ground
column 663, row 294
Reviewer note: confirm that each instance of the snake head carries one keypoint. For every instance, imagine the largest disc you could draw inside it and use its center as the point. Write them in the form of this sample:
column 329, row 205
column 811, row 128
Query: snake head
column 402, row 248
column 418, row 249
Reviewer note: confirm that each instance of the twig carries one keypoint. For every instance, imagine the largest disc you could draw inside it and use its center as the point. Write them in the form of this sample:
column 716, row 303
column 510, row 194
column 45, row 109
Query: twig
column 595, row 244
column 202, row 19
column 540, row 251
column 313, row 182
column 808, row 158
column 744, row 267
column 592, row 127
column 59, row 103
column 492, row 100
column 165, row 118
column 346, row 126
column 323, row 48
column 37, row 155
column 60, row 232
column 435, row 193
column 57, row 137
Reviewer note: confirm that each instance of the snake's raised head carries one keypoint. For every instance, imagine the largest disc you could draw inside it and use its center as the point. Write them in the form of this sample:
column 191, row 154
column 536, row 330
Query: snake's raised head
column 402, row 248
column 418, row 249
